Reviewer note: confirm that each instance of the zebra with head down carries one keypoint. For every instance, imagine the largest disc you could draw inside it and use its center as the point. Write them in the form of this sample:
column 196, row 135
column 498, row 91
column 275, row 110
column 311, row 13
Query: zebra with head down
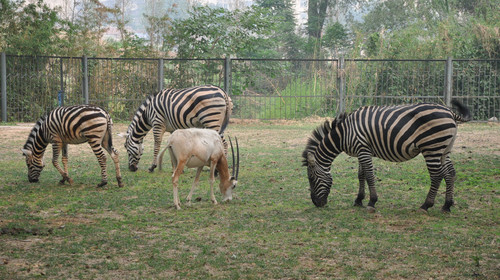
column 202, row 106
column 395, row 133
column 71, row 125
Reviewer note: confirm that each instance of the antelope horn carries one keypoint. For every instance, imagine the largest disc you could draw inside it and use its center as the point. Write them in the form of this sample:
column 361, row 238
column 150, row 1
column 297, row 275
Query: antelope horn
column 232, row 153
column 237, row 158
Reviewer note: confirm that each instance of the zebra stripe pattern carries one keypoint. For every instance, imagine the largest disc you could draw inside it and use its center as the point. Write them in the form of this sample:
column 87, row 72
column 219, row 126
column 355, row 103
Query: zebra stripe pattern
column 397, row 134
column 202, row 106
column 71, row 125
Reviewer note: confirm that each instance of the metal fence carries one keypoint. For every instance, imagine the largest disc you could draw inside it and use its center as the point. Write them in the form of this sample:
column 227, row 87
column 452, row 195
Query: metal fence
column 260, row 88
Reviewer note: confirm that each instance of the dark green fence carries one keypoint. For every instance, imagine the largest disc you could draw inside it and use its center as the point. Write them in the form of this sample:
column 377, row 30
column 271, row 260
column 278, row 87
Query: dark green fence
column 260, row 88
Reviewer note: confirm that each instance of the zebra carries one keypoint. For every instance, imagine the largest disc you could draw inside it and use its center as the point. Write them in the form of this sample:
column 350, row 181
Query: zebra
column 393, row 133
column 71, row 125
column 205, row 106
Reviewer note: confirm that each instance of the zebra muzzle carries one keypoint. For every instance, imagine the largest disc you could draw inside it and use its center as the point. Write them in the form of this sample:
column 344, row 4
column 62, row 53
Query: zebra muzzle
column 132, row 168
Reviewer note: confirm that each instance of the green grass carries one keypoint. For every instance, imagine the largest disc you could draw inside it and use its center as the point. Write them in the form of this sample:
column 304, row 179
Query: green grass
column 270, row 231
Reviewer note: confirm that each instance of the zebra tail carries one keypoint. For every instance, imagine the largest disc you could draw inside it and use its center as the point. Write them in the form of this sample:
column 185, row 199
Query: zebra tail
column 464, row 112
column 108, row 136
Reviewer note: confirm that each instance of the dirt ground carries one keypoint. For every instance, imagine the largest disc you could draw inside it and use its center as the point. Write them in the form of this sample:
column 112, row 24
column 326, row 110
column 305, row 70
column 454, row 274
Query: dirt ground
column 484, row 138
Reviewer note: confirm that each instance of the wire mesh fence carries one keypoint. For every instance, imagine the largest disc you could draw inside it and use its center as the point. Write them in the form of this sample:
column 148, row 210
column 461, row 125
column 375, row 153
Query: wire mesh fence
column 260, row 88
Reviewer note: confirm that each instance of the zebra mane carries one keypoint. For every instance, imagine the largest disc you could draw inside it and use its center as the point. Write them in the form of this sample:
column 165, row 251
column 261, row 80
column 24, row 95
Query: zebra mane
column 315, row 139
column 319, row 134
column 139, row 113
column 34, row 132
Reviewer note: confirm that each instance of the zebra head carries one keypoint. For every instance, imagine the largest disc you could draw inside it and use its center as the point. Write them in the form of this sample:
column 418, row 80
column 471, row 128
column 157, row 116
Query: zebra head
column 318, row 161
column 35, row 165
column 320, row 181
column 134, row 151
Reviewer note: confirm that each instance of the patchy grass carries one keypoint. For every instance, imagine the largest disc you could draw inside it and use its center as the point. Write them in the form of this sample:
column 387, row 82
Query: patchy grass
column 270, row 231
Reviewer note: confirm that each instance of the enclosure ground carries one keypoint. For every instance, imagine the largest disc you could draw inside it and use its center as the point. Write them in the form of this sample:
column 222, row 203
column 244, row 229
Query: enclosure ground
column 271, row 230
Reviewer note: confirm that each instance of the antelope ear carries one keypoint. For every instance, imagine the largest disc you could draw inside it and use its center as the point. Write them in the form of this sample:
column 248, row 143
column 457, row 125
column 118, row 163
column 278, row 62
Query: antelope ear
column 26, row 152
column 123, row 135
column 311, row 160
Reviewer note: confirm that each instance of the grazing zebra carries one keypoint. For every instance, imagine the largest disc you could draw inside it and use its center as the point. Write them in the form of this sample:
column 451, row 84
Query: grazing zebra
column 202, row 106
column 70, row 125
column 397, row 134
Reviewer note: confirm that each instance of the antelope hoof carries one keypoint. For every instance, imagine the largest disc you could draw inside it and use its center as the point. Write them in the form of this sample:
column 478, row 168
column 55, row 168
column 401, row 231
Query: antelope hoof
column 370, row 209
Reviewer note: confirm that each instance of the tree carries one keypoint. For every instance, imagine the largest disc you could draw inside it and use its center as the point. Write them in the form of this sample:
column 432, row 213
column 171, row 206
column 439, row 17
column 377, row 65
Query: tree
column 335, row 38
column 29, row 29
column 84, row 36
column 288, row 43
column 432, row 29
column 158, row 23
column 216, row 32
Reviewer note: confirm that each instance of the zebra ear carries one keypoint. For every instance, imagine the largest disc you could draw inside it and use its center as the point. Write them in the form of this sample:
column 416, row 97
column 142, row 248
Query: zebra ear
column 26, row 152
column 123, row 135
column 311, row 160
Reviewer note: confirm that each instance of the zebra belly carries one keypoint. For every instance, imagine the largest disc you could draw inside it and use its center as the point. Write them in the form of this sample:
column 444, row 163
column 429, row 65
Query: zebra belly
column 405, row 154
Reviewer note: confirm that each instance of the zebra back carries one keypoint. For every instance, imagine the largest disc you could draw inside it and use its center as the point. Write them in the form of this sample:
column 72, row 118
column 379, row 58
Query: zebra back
column 202, row 106
column 171, row 109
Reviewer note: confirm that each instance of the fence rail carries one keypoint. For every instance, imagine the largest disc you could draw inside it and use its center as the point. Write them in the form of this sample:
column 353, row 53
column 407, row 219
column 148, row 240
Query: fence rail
column 260, row 88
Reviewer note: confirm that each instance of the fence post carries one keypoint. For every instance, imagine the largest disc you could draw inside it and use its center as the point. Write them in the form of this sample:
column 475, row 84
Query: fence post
column 227, row 75
column 341, row 85
column 3, row 73
column 448, row 82
column 60, row 94
column 85, row 82
column 160, row 74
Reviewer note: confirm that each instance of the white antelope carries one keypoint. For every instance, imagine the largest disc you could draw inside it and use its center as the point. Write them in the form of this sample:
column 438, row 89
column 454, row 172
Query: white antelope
column 196, row 148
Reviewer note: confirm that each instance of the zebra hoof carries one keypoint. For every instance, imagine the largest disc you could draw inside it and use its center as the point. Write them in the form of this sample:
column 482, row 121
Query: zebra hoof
column 152, row 168
column 358, row 204
column 370, row 209
column 423, row 211
column 120, row 182
column 446, row 210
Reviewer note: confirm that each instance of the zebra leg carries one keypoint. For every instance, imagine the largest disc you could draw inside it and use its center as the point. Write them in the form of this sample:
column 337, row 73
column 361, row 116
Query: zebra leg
column 365, row 162
column 449, row 178
column 65, row 162
column 361, row 192
column 114, row 156
column 195, row 184
column 56, row 148
column 158, row 132
column 101, row 158
column 436, row 174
